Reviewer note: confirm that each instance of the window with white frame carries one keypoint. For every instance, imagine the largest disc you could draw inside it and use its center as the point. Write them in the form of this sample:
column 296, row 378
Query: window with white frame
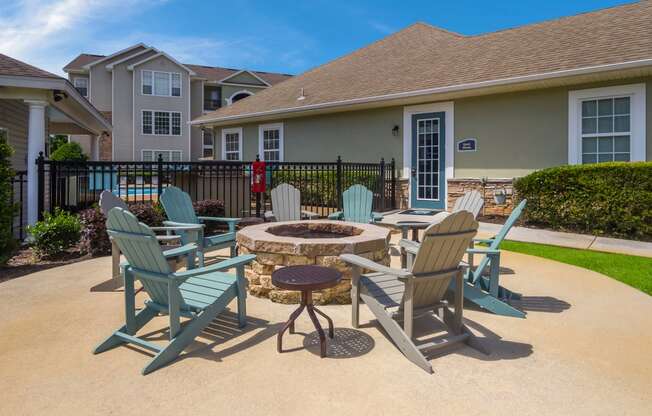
column 162, row 84
column 207, row 144
column 166, row 155
column 161, row 123
column 81, row 85
column 232, row 144
column 607, row 124
column 270, row 142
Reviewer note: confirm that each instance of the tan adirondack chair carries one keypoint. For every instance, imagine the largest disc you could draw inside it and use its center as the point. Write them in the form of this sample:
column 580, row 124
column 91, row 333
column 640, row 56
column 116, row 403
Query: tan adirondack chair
column 471, row 201
column 286, row 205
column 400, row 295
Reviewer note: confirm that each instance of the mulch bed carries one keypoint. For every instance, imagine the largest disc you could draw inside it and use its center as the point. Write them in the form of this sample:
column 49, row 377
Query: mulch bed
column 24, row 262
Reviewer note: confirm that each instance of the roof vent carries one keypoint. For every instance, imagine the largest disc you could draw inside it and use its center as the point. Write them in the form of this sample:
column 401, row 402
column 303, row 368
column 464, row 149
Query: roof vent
column 301, row 96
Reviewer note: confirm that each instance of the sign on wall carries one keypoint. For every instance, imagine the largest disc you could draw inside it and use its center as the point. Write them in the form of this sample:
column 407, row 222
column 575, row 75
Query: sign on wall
column 467, row 145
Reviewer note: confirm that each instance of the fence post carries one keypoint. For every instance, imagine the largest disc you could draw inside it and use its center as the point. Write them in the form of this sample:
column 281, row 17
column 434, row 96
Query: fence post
column 338, row 183
column 382, row 184
column 41, row 184
column 159, row 174
column 393, row 184
column 257, row 193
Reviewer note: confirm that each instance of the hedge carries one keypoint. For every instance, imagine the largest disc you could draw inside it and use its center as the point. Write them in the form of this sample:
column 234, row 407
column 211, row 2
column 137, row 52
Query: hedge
column 602, row 199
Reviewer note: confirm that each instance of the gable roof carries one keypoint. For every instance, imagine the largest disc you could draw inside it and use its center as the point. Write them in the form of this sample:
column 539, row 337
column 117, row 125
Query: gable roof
column 244, row 71
column 120, row 52
column 209, row 73
column 159, row 54
column 423, row 59
column 13, row 67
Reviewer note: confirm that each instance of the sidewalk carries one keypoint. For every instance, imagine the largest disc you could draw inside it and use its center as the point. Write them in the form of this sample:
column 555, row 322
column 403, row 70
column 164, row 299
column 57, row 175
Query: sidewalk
column 581, row 241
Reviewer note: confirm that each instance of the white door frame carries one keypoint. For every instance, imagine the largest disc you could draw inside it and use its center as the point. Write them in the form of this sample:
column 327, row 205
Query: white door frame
column 448, row 107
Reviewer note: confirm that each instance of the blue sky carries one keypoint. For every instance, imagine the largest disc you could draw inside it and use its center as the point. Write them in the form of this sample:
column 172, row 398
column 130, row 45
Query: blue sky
column 283, row 36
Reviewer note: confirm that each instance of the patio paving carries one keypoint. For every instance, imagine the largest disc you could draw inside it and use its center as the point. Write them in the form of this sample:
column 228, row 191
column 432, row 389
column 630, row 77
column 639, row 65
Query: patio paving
column 583, row 349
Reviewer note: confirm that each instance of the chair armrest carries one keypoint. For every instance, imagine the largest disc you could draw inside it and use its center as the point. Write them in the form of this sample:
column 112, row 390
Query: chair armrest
column 409, row 245
column 376, row 216
column 483, row 240
column 180, row 251
column 181, row 226
column 223, row 265
column 336, row 215
column 165, row 238
column 310, row 215
column 487, row 251
column 269, row 216
column 368, row 264
column 232, row 222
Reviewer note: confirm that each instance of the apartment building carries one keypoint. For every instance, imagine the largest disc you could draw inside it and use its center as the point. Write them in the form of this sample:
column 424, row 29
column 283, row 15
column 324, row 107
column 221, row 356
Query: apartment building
column 150, row 97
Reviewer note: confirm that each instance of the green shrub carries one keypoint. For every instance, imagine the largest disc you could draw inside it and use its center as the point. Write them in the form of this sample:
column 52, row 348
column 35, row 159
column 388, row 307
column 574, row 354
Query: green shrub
column 94, row 238
column 69, row 152
column 55, row 234
column 7, row 206
column 602, row 199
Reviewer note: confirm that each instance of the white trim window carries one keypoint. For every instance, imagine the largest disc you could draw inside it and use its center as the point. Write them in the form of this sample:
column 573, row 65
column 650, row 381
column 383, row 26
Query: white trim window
column 238, row 95
column 607, row 124
column 81, row 85
column 208, row 144
column 151, row 155
column 270, row 142
column 160, row 84
column 161, row 123
column 232, row 144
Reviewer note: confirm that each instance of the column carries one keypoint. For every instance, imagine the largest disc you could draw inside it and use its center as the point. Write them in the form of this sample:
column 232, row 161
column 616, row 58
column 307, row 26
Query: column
column 35, row 144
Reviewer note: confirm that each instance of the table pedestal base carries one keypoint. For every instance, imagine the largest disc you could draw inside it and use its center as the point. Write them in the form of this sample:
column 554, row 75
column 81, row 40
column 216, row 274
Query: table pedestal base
column 306, row 303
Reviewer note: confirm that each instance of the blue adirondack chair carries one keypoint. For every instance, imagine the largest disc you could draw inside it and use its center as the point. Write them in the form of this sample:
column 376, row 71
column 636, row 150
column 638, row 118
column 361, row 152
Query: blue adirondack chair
column 483, row 286
column 178, row 207
column 357, row 204
column 197, row 294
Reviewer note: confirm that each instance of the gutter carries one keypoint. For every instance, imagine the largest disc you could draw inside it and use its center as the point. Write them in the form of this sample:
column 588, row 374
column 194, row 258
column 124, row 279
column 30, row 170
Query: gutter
column 437, row 90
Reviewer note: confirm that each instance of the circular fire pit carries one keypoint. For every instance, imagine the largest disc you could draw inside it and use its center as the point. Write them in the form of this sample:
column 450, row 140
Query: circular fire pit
column 279, row 244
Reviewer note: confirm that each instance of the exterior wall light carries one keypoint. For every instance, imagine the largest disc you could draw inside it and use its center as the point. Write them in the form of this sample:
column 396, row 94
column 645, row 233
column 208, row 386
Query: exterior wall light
column 395, row 130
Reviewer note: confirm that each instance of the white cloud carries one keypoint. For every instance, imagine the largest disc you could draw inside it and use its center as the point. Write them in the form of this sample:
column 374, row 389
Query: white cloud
column 49, row 34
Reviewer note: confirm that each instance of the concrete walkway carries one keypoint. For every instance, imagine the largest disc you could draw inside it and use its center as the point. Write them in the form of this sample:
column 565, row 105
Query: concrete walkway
column 581, row 241
column 584, row 349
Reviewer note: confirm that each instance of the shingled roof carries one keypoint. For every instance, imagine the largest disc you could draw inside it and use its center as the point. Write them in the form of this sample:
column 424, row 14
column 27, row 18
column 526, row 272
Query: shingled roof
column 425, row 58
column 211, row 73
column 14, row 67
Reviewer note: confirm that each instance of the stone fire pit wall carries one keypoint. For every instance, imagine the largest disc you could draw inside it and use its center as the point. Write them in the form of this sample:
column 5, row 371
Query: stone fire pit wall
column 273, row 251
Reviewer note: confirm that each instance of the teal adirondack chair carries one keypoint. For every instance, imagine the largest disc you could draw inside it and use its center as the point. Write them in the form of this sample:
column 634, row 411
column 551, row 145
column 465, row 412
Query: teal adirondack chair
column 357, row 203
column 178, row 207
column 197, row 294
column 483, row 286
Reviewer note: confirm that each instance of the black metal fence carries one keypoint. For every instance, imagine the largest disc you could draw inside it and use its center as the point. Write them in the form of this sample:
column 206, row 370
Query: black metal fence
column 18, row 197
column 77, row 185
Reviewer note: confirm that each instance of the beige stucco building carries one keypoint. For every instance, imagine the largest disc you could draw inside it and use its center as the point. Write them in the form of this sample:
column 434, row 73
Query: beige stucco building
column 150, row 97
column 452, row 109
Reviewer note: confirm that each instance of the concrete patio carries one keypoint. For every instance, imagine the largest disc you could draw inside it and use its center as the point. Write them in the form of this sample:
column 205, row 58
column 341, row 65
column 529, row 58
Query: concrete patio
column 583, row 350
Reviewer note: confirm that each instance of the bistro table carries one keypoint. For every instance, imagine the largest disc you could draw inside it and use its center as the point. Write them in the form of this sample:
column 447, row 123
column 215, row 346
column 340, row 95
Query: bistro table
column 306, row 279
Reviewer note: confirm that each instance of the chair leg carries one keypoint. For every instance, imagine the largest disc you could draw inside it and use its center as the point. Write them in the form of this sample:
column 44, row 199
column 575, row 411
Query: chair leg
column 200, row 257
column 490, row 303
column 355, row 297
column 116, row 275
column 396, row 333
column 140, row 320
column 242, row 297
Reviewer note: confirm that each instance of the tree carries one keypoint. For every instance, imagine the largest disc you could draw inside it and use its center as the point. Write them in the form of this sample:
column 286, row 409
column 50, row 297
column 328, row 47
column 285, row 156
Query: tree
column 55, row 141
column 7, row 205
column 69, row 152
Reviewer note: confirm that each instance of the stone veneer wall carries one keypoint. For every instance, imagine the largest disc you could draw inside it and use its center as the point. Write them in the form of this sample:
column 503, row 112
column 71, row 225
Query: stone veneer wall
column 259, row 274
column 457, row 188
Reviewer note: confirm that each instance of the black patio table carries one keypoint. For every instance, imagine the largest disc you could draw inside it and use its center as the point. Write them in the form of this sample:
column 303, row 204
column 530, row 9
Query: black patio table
column 306, row 279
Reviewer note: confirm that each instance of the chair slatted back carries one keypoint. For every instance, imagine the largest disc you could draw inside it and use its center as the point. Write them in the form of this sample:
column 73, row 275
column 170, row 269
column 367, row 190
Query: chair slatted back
column 139, row 245
column 286, row 203
column 471, row 201
column 108, row 201
column 178, row 206
column 440, row 252
column 511, row 220
column 357, row 203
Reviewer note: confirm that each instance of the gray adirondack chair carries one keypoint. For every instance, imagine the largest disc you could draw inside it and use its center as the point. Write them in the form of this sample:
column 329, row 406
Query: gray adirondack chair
column 197, row 294
column 109, row 201
column 400, row 295
column 286, row 205
column 178, row 207
column 471, row 201
column 483, row 287
column 357, row 206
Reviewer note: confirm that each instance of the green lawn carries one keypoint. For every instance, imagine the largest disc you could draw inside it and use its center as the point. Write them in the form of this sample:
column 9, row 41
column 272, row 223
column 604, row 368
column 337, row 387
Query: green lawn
column 632, row 270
